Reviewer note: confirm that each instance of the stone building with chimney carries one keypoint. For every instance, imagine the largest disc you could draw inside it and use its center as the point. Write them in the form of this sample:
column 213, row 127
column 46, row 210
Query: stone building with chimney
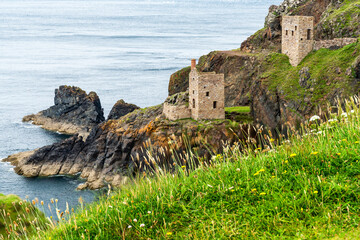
column 205, row 98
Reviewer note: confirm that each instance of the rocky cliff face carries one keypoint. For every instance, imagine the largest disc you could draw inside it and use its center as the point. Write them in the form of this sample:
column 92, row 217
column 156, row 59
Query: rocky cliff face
column 117, row 149
column 74, row 112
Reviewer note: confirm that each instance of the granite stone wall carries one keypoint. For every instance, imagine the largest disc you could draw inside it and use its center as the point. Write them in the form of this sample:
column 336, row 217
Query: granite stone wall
column 333, row 43
column 175, row 112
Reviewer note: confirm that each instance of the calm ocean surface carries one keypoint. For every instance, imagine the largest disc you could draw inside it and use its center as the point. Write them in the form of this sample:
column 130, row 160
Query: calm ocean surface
column 117, row 48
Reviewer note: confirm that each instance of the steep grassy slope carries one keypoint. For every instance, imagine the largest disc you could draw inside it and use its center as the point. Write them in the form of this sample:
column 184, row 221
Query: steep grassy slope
column 306, row 188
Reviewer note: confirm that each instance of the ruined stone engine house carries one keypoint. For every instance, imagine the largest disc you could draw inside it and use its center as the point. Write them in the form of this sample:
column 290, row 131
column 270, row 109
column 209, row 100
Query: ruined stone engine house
column 205, row 99
column 297, row 37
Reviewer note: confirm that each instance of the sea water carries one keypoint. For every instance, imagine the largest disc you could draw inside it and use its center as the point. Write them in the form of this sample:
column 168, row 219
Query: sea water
column 117, row 48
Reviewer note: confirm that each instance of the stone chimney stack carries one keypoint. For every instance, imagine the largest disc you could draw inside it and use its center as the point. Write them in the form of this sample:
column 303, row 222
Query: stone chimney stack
column 193, row 64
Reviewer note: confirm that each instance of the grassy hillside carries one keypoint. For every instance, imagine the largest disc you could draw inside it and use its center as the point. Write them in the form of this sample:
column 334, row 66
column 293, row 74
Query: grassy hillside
column 305, row 188
column 18, row 218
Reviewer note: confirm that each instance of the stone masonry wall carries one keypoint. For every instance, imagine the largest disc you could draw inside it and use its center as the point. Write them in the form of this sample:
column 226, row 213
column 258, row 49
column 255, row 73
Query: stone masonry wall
column 297, row 37
column 334, row 43
column 175, row 112
column 206, row 95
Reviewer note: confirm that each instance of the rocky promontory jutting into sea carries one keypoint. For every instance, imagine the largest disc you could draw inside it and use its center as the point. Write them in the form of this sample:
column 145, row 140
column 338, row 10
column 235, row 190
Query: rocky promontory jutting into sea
column 74, row 112
column 256, row 75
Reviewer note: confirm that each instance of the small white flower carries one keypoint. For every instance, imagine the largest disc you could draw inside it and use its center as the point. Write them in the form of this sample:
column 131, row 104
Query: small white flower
column 238, row 169
column 332, row 120
column 352, row 111
column 110, row 206
column 142, row 225
column 319, row 132
column 210, row 185
column 149, row 212
column 231, row 188
column 315, row 117
column 135, row 220
column 129, row 226
column 344, row 115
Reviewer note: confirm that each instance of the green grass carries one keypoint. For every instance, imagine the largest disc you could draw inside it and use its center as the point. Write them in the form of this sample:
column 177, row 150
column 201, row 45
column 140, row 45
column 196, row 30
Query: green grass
column 306, row 188
column 18, row 217
column 239, row 109
column 326, row 67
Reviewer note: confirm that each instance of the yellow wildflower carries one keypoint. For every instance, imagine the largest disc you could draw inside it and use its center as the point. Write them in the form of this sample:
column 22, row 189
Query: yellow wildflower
column 285, row 171
column 257, row 173
column 273, row 176
column 292, row 155
column 314, row 153
column 183, row 166
column 261, row 170
column 253, row 190
column 169, row 233
column 286, row 161
column 338, row 154
column 357, row 142
column 262, row 194
column 315, row 192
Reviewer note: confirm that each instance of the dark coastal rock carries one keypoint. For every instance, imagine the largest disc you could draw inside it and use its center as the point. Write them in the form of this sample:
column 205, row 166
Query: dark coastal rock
column 121, row 108
column 74, row 112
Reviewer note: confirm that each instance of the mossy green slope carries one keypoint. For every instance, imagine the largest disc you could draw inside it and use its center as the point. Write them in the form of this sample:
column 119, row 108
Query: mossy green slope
column 329, row 70
column 306, row 188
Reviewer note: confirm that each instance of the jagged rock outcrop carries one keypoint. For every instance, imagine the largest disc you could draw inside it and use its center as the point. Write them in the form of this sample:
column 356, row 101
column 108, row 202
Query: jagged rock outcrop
column 117, row 149
column 74, row 112
column 121, row 108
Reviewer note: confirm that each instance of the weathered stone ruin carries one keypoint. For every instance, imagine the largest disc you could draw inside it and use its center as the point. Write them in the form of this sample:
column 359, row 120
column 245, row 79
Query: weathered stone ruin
column 205, row 99
column 298, row 38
